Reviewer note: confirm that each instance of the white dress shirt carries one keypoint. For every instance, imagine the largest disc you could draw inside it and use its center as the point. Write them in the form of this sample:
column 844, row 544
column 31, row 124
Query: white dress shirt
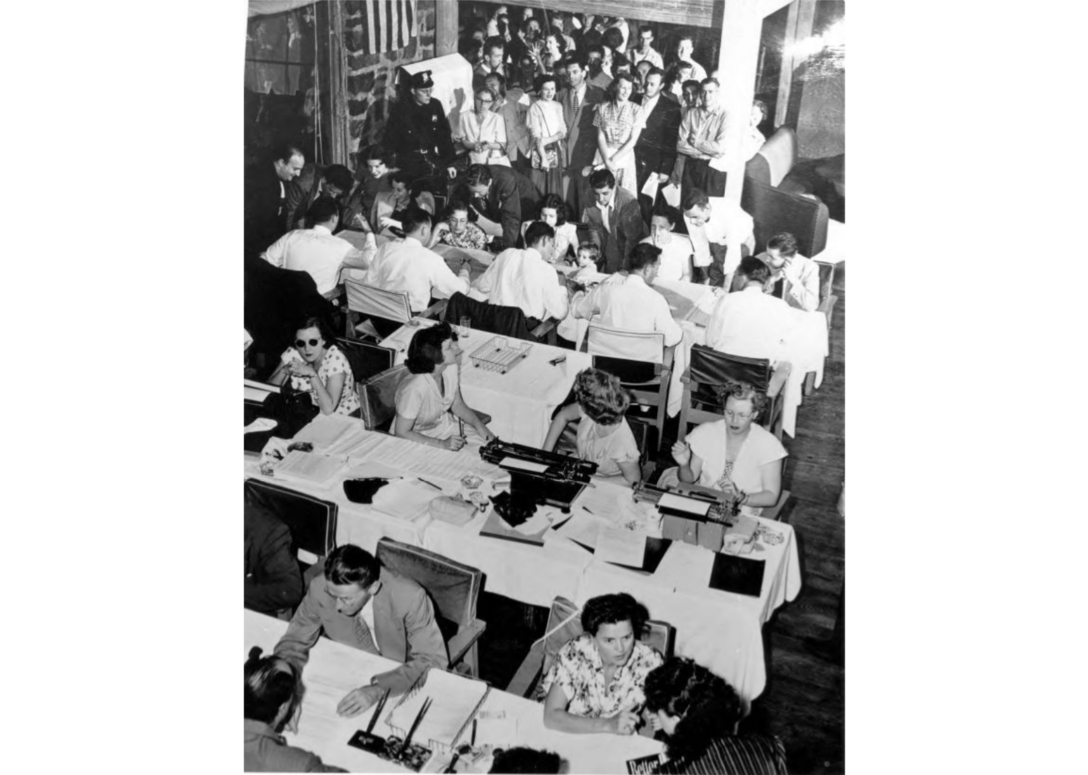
column 675, row 257
column 802, row 276
column 314, row 251
column 728, row 225
column 752, row 324
column 406, row 266
column 523, row 279
column 651, row 56
column 625, row 301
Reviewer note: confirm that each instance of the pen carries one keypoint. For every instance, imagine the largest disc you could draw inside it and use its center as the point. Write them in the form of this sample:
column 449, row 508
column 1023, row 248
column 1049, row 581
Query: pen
column 557, row 361
column 461, row 427
column 432, row 484
column 415, row 724
column 377, row 711
column 472, row 742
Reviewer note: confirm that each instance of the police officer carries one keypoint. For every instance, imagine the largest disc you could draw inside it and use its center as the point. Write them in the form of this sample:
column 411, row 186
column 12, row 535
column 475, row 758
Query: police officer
column 420, row 134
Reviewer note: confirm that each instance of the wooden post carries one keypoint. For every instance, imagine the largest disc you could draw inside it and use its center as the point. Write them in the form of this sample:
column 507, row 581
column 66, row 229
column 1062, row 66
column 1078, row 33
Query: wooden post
column 341, row 131
column 445, row 27
column 742, row 22
column 798, row 27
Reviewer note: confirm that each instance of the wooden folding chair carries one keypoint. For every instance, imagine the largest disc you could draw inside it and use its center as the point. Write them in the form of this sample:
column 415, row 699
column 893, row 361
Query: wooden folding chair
column 386, row 311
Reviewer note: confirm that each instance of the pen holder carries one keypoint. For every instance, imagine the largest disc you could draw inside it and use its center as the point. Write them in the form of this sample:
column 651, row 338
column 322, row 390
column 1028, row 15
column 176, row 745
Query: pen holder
column 414, row 757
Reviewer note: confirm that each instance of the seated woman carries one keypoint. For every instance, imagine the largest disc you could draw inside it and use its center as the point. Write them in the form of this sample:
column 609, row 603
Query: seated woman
column 317, row 366
column 698, row 713
column 458, row 228
column 604, row 437
column 733, row 454
column 596, row 683
column 553, row 211
column 273, row 703
column 429, row 403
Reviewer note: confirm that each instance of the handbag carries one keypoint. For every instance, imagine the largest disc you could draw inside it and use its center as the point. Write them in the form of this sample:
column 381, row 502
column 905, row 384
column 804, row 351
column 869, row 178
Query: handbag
column 550, row 160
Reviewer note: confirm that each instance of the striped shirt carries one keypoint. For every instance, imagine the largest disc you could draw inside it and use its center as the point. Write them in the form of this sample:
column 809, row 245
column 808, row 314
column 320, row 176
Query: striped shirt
column 744, row 755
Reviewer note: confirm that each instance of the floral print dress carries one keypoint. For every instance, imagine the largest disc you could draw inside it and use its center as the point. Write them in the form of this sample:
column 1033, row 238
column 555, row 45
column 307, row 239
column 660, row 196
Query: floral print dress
column 579, row 671
column 617, row 123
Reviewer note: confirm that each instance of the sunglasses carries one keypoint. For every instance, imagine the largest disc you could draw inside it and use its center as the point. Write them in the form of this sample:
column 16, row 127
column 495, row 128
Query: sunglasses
column 300, row 343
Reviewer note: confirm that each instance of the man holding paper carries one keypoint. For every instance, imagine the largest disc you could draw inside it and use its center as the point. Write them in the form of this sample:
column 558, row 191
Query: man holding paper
column 359, row 603
column 655, row 151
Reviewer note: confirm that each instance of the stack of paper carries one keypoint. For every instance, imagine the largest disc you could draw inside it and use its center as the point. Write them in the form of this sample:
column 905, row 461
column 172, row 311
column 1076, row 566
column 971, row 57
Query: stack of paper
column 308, row 467
column 685, row 566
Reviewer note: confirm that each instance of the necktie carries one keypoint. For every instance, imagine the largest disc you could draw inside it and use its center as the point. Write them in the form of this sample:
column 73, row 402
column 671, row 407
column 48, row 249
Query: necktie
column 577, row 102
column 366, row 640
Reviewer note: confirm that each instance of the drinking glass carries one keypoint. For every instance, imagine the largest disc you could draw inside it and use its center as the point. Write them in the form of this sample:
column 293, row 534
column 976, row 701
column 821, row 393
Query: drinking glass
column 466, row 326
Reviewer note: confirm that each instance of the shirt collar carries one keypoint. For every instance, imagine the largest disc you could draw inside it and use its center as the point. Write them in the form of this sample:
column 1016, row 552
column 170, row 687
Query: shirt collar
column 412, row 241
column 322, row 229
column 261, row 729
column 534, row 252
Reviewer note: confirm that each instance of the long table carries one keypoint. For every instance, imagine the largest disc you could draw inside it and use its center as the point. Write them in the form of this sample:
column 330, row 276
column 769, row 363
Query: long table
column 334, row 669
column 520, row 401
column 720, row 630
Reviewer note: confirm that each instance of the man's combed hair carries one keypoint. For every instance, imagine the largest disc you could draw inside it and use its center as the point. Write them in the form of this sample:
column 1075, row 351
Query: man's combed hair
column 785, row 243
column 477, row 175
column 613, row 609
column 708, row 707
column 414, row 217
column 284, row 151
column 602, row 178
column 696, row 198
column 537, row 231
column 339, row 176
column 643, row 255
column 350, row 564
column 323, row 209
column 754, row 269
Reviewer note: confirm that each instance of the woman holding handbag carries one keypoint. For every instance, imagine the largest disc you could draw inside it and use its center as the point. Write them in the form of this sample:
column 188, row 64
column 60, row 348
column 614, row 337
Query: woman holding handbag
column 548, row 129
column 620, row 122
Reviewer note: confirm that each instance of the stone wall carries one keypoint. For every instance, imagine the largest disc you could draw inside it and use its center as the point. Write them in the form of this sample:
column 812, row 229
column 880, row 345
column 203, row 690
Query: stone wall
column 370, row 77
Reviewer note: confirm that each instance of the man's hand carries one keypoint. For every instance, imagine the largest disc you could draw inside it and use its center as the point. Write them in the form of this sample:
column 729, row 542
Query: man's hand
column 358, row 700
column 662, row 177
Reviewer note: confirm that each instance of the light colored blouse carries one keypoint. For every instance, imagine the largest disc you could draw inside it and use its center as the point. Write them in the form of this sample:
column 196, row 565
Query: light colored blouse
column 419, row 399
column 492, row 130
column 546, row 118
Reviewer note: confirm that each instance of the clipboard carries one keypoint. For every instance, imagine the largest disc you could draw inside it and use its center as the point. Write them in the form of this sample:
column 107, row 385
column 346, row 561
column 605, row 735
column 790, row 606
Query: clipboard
column 740, row 575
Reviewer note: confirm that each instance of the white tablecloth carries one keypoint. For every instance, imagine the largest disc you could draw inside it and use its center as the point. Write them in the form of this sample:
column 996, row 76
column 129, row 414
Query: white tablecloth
column 334, row 669
column 521, row 401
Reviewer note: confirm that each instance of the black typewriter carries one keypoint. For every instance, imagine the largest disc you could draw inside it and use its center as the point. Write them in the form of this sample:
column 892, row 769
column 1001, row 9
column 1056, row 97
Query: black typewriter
column 536, row 477
column 690, row 501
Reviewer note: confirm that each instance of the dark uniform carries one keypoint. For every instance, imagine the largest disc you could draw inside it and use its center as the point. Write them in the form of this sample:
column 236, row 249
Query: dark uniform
column 420, row 135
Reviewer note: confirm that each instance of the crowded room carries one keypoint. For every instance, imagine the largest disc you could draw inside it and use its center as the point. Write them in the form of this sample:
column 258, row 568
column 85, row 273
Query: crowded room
column 544, row 380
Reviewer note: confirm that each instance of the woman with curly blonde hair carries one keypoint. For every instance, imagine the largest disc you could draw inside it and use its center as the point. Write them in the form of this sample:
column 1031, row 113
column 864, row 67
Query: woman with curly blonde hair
column 604, row 437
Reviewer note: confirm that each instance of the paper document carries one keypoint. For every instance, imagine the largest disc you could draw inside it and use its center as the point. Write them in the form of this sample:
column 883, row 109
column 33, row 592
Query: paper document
column 256, row 394
column 671, row 194
column 523, row 465
column 262, row 386
column 685, row 567
column 650, row 189
column 309, row 467
column 405, row 499
column 454, row 702
column 583, row 528
column 325, row 429
column 625, row 547
column 410, row 457
column 678, row 502
column 496, row 727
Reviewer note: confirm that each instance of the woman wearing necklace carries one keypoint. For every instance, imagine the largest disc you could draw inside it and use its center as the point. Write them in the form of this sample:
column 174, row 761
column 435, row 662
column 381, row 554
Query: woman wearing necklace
column 430, row 409
column 734, row 454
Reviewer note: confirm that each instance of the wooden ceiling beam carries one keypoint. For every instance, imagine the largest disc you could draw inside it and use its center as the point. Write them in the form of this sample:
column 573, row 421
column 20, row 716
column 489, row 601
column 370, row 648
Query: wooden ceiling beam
column 694, row 13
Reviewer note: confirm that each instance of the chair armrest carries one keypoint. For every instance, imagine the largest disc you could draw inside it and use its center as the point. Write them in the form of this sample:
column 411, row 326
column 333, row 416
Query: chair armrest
column 435, row 310
column 827, row 306
column 460, row 643
column 775, row 512
column 544, row 328
column 778, row 379
column 527, row 672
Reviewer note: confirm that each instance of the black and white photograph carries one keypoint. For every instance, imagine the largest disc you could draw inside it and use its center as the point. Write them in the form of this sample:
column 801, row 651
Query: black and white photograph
column 544, row 314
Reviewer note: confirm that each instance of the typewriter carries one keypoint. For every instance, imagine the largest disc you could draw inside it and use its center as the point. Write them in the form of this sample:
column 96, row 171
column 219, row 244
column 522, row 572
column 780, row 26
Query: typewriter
column 690, row 512
column 536, row 477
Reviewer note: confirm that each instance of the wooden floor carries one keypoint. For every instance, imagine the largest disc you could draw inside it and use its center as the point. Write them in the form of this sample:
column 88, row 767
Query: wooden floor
column 803, row 701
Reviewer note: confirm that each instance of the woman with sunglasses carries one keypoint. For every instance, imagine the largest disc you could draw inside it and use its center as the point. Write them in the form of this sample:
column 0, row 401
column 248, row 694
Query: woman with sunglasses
column 316, row 366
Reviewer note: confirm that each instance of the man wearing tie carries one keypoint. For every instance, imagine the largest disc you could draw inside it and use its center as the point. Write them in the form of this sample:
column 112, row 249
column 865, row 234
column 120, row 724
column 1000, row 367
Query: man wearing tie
column 614, row 220
column 655, row 151
column 579, row 101
column 361, row 604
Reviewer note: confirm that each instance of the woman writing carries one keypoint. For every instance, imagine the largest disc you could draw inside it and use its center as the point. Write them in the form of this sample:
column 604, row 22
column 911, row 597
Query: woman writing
column 547, row 128
column 620, row 122
column 316, row 365
column 698, row 712
column 429, row 403
column 596, row 683
column 734, row 454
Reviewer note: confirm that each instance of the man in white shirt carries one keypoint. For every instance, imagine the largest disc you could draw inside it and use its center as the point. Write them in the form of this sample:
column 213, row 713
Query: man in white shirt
column 720, row 236
column 523, row 279
column 675, row 248
column 685, row 46
column 316, row 251
column 645, row 50
column 629, row 302
column 800, row 276
column 406, row 266
column 749, row 322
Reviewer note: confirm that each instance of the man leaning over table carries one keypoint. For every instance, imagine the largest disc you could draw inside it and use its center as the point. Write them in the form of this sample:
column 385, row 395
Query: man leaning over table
column 361, row 604
column 721, row 235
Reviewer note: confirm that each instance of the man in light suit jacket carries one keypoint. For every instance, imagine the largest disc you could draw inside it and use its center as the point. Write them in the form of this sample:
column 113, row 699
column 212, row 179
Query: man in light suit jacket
column 614, row 220
column 359, row 603
column 655, row 151
column 579, row 102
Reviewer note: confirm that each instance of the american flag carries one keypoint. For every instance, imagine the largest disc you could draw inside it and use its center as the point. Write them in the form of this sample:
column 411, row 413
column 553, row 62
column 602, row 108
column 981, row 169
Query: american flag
column 388, row 24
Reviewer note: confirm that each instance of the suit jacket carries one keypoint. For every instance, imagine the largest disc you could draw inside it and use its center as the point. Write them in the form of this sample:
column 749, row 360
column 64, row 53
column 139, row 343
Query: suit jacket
column 581, row 134
column 265, row 207
column 511, row 198
column 273, row 580
column 404, row 624
column 625, row 229
column 656, row 146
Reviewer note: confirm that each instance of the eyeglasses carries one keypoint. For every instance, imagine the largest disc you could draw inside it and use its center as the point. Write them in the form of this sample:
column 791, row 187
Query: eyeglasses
column 300, row 343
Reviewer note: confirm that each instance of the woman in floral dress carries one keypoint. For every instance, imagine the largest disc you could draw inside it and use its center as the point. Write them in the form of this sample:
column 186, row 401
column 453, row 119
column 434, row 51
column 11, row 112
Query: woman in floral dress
column 620, row 122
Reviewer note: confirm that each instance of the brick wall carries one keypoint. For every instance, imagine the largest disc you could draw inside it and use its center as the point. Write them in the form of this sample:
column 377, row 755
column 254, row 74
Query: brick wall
column 370, row 76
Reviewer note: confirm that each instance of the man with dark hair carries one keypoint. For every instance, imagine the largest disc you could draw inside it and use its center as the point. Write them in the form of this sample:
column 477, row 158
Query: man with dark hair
column 655, row 150
column 579, row 101
column 503, row 198
column 361, row 604
column 721, row 234
column 266, row 196
column 749, row 322
column 614, row 220
column 494, row 56
column 702, row 139
column 645, row 51
column 273, row 580
column 596, row 60
column 420, row 134
column 317, row 251
column 794, row 278
column 407, row 266
column 335, row 181
column 629, row 301
column 522, row 759
column 685, row 47
column 523, row 279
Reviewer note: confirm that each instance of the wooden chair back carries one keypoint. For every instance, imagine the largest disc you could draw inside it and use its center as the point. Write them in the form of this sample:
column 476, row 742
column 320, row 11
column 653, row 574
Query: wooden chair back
column 390, row 307
column 312, row 521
